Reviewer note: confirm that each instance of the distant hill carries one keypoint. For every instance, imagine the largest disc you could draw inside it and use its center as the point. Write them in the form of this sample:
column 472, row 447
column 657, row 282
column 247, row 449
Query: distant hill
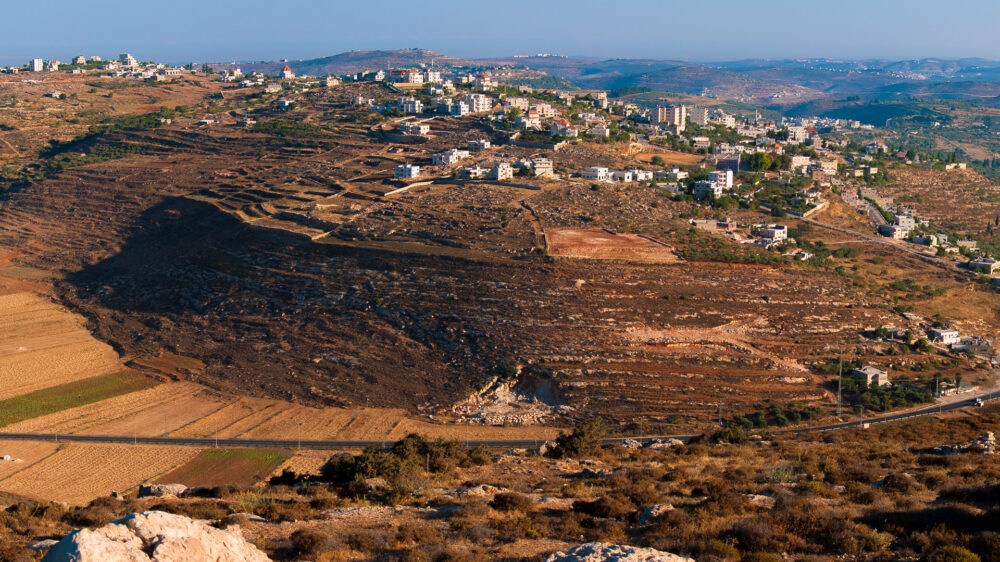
column 355, row 61
column 775, row 83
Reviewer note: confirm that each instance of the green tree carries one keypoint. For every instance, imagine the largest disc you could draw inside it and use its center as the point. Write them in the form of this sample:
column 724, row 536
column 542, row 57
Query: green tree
column 759, row 161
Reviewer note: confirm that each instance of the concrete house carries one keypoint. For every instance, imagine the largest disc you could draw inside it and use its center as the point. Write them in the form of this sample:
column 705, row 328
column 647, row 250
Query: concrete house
column 984, row 265
column 449, row 157
column 946, row 337
column 871, row 375
column 596, row 173
column 479, row 144
column 502, row 171
column 406, row 171
column 410, row 128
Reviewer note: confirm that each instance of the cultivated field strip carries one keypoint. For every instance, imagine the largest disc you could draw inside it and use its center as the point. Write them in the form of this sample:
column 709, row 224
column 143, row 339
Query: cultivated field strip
column 79, row 472
column 42, row 345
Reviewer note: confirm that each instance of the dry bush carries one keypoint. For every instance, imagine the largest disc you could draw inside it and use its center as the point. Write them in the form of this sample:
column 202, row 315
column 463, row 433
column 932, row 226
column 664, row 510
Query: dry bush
column 417, row 532
column 900, row 482
column 99, row 512
column 323, row 504
column 516, row 528
column 287, row 511
column 615, row 505
column 476, row 508
column 577, row 489
column 714, row 549
column 951, row 553
column 512, row 501
column 368, row 541
column 312, row 543
column 987, row 546
column 194, row 510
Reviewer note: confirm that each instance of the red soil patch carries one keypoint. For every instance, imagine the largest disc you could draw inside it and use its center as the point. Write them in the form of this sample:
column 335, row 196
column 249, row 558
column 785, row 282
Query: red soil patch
column 600, row 244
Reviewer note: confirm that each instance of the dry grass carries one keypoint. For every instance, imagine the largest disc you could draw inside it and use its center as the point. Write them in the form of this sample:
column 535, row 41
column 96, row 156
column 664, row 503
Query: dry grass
column 79, row 472
column 43, row 345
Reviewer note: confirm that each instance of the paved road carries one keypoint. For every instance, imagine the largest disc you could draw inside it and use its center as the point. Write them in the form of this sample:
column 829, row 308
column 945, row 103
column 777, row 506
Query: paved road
column 496, row 444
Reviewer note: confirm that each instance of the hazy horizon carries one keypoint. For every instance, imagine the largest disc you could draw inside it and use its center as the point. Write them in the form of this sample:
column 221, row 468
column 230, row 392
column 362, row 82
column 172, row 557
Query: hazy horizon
column 711, row 31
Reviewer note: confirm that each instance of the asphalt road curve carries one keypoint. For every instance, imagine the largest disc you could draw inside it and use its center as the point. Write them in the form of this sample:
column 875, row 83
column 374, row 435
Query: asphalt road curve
column 495, row 444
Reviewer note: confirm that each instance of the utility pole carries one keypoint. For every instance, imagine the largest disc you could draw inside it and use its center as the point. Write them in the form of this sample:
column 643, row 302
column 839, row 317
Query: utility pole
column 840, row 382
column 720, row 412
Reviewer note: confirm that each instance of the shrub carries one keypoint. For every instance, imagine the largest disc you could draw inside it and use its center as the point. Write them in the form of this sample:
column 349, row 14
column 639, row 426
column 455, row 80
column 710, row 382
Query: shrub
column 717, row 549
column 951, row 554
column 584, row 440
column 310, row 543
column 614, row 505
column 512, row 501
column 510, row 530
column 292, row 511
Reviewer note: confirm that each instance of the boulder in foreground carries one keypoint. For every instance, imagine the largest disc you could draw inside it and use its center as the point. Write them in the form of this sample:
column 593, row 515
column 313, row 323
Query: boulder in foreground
column 600, row 552
column 156, row 536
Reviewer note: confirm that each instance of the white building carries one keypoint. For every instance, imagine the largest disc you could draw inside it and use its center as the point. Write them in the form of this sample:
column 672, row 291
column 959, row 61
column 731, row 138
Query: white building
column 127, row 59
column 774, row 232
column 36, row 65
column 484, row 82
column 520, row 103
column 79, row 60
column 722, row 177
column 406, row 76
column 703, row 188
column 459, row 109
column 479, row 144
column 432, row 76
column 410, row 128
column 529, row 120
column 502, row 171
column 600, row 131
column 286, row 73
column 472, row 173
column 797, row 134
column 625, row 176
column 545, row 110
column 677, row 174
column 542, row 167
column 871, row 375
column 641, row 175
column 699, row 116
column 407, row 171
column 410, row 105
column 478, row 102
column 449, row 157
column 564, row 128
column 596, row 173
column 675, row 115
column 332, row 80
column 946, row 337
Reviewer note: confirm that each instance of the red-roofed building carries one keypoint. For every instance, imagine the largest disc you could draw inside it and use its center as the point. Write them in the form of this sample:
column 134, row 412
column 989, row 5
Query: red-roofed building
column 287, row 73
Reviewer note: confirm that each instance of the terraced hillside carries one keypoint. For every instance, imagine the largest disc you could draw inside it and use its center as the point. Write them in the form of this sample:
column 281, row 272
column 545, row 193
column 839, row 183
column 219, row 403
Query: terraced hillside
column 285, row 258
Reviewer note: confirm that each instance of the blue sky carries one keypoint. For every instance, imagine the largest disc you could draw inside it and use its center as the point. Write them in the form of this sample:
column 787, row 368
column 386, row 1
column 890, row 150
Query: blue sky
column 706, row 30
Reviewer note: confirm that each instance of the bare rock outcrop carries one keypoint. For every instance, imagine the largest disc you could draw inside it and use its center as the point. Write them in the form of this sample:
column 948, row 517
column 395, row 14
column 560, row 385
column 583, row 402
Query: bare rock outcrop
column 161, row 490
column 154, row 536
column 599, row 552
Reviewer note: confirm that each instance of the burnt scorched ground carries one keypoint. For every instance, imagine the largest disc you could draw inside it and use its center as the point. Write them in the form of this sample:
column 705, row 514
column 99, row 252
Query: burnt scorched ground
column 272, row 314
